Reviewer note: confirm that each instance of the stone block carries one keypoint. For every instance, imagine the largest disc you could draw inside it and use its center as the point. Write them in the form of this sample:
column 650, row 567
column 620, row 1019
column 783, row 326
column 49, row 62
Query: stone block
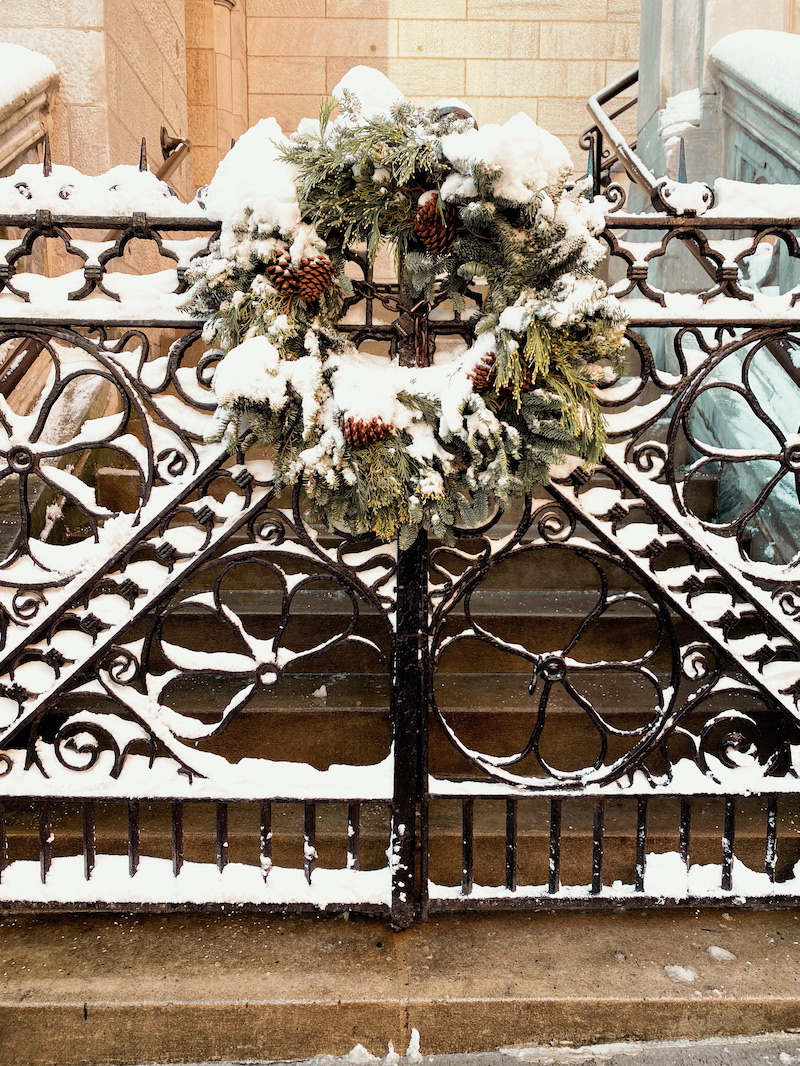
column 615, row 68
column 562, row 116
column 288, row 110
column 199, row 24
column 416, row 77
column 238, row 34
column 222, row 65
column 18, row 13
column 79, row 56
column 86, row 14
column 222, row 30
column 321, row 37
column 238, row 87
column 624, row 10
column 589, row 40
column 299, row 9
column 166, row 33
column 201, row 77
column 224, row 131
column 133, row 40
column 470, row 40
column 88, row 137
column 204, row 163
column 202, row 125
column 534, row 77
column 173, row 103
column 409, row 9
column 294, row 74
column 537, row 10
column 499, row 108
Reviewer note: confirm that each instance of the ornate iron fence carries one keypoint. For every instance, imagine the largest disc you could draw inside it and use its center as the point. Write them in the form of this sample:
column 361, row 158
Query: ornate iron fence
column 564, row 708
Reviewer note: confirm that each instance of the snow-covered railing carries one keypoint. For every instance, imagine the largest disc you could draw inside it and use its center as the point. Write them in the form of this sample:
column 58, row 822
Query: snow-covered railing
column 206, row 701
column 28, row 81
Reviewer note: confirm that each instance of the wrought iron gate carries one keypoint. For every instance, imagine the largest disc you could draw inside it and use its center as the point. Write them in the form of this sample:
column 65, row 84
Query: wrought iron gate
column 524, row 745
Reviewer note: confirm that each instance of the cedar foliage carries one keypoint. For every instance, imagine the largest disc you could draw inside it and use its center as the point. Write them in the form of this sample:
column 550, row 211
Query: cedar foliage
column 556, row 332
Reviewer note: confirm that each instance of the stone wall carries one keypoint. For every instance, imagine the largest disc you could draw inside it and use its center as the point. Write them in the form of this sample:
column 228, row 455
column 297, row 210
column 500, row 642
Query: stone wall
column 122, row 67
column 544, row 57
column 216, row 59
column 146, row 80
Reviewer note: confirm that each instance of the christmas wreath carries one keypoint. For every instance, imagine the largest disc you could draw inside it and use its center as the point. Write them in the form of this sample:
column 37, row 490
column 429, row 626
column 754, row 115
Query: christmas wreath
column 377, row 446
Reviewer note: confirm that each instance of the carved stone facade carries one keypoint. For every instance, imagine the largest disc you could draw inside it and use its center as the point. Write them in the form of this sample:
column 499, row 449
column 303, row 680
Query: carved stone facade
column 207, row 69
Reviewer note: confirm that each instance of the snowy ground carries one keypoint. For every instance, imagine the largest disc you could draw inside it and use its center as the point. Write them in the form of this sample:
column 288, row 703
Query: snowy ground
column 774, row 1049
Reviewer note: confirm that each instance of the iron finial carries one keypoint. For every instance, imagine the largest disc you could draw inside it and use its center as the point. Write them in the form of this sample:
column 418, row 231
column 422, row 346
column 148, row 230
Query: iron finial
column 47, row 162
column 682, row 161
column 143, row 155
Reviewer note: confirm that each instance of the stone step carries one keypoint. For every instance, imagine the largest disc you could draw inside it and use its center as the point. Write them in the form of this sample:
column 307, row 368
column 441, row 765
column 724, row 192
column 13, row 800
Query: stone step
column 185, row 988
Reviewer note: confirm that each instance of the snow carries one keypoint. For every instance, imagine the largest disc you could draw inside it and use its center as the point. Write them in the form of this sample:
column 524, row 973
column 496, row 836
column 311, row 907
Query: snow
column 681, row 973
column 742, row 199
column 154, row 881
column 144, row 298
column 767, row 59
column 685, row 198
column 65, row 191
column 666, row 880
column 22, row 72
column 721, row 954
column 252, row 184
column 680, row 113
column 530, row 158
column 374, row 91
column 250, row 778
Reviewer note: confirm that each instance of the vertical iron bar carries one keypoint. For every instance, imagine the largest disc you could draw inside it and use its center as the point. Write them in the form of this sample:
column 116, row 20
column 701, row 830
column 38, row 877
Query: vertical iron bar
column 771, row 853
column 728, row 837
column 177, row 837
column 511, row 845
column 310, row 840
column 89, row 839
column 222, row 836
column 467, row 838
column 45, row 840
column 685, row 831
column 597, row 171
column 424, row 855
column 407, row 715
column 354, row 836
column 554, row 866
column 641, row 842
column 133, row 837
column 597, row 847
column 265, row 844
column 3, row 841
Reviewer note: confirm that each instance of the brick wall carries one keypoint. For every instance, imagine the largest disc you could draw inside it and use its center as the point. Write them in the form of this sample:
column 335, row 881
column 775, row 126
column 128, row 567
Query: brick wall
column 544, row 57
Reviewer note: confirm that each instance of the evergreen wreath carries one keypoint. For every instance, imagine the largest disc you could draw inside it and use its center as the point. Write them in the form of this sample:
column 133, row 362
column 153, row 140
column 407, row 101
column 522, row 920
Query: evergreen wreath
column 379, row 447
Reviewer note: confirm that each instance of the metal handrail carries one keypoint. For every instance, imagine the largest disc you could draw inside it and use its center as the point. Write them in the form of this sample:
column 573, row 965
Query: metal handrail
column 633, row 166
column 641, row 175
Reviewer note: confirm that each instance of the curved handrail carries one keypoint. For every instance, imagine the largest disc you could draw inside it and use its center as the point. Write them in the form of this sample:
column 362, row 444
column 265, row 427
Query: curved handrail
column 633, row 166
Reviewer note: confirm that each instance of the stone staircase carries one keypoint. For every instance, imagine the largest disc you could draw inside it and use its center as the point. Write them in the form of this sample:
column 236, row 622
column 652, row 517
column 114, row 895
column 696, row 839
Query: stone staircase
column 182, row 986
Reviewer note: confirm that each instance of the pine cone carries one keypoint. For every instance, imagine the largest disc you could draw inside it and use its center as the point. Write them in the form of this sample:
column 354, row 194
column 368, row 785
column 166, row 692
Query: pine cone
column 438, row 236
column 358, row 431
column 482, row 374
column 315, row 276
column 281, row 275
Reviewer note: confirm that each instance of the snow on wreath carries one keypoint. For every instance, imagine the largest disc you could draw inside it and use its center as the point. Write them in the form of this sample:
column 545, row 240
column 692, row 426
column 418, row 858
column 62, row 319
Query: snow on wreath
column 380, row 447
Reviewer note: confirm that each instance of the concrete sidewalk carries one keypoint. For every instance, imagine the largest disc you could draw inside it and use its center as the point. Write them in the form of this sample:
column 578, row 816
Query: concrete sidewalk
column 86, row 990
column 774, row 1049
